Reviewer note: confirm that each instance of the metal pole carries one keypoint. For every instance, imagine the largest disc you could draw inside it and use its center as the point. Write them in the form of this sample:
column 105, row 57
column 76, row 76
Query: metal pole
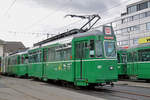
column 89, row 18
column 129, row 39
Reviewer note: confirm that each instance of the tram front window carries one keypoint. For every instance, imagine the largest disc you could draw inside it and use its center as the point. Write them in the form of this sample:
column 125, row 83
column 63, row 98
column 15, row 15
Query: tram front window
column 110, row 49
column 98, row 46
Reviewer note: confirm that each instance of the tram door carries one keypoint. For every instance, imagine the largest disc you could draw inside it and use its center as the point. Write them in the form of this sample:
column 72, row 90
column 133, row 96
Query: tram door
column 45, row 51
column 81, row 54
column 135, row 64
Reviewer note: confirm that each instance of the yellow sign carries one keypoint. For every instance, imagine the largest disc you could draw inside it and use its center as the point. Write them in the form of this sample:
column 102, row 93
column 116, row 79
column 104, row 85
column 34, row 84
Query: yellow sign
column 59, row 67
column 144, row 40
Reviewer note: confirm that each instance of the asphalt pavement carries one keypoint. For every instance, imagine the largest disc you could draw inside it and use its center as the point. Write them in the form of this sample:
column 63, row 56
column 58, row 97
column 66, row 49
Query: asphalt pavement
column 29, row 89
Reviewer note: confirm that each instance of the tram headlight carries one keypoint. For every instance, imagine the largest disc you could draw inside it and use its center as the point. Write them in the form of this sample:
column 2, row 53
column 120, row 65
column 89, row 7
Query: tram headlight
column 99, row 67
column 111, row 67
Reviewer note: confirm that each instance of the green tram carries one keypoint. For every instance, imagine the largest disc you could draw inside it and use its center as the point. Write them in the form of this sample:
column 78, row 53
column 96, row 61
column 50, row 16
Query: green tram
column 84, row 59
column 138, row 65
column 122, row 63
column 17, row 64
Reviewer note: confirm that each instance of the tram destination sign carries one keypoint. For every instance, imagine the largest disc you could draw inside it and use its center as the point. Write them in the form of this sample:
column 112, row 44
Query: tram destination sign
column 108, row 31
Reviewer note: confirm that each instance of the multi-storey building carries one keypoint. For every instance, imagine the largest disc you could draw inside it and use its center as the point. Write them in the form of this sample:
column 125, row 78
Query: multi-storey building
column 133, row 24
column 7, row 47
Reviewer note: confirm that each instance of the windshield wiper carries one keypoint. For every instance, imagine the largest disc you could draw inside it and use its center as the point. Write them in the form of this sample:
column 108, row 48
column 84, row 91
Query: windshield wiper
column 111, row 53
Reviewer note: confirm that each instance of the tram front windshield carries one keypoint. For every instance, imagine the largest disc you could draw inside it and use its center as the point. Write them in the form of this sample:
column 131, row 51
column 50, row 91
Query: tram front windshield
column 110, row 49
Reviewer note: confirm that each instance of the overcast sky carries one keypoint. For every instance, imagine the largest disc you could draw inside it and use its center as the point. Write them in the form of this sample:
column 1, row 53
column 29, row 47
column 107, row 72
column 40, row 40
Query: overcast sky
column 29, row 20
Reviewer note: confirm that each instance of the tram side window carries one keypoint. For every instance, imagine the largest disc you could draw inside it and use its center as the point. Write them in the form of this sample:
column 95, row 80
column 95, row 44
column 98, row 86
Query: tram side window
column 19, row 62
column 124, row 58
column 25, row 60
column 59, row 55
column 22, row 59
column 78, row 50
column 130, row 57
column 67, row 54
column 144, row 55
column 35, row 57
column 9, row 62
column 135, row 58
column 118, row 57
column 51, row 54
column 45, row 55
column 30, row 58
column 39, row 56
column 14, row 60
column 91, row 48
column 98, row 46
column 81, row 50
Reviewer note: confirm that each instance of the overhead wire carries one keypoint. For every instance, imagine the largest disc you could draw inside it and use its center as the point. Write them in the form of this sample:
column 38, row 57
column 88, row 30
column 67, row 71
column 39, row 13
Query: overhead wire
column 104, row 11
column 11, row 5
column 107, row 10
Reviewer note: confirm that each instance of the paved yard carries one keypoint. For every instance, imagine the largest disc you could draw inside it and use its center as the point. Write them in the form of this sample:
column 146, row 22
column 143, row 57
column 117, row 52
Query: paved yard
column 25, row 89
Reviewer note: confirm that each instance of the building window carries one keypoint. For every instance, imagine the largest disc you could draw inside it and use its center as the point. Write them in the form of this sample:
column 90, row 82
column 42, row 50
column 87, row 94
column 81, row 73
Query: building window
column 142, row 6
column 149, row 4
column 137, row 27
column 148, row 26
column 124, row 20
column 124, row 30
column 130, row 18
column 132, row 9
column 125, row 42
column 135, row 17
column 148, row 13
column 118, row 32
column 142, row 15
column 129, row 29
column 135, row 41
column 132, row 28
column 119, row 43
column 116, row 23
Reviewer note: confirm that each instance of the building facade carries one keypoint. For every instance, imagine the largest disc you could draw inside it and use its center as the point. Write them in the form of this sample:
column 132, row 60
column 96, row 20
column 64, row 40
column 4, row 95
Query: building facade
column 2, row 44
column 7, row 47
column 133, row 24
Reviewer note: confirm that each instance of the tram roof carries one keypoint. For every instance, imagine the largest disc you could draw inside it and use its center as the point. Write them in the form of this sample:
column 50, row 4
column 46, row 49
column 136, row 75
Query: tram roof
column 19, row 53
column 141, row 45
column 72, row 33
column 60, row 36
column 89, row 33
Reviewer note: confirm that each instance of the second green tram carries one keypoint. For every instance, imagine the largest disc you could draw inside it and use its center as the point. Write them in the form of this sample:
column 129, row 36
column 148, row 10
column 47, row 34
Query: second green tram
column 138, row 65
